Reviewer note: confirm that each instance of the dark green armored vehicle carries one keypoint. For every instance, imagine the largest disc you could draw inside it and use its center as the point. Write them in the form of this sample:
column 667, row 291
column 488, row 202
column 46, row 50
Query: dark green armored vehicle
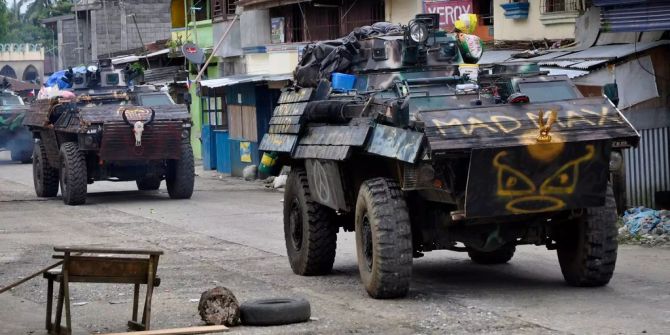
column 105, row 129
column 416, row 157
column 13, row 136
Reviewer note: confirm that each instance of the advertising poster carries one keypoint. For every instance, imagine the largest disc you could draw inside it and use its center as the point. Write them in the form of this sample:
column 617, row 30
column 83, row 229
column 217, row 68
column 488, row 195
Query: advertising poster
column 278, row 30
column 449, row 10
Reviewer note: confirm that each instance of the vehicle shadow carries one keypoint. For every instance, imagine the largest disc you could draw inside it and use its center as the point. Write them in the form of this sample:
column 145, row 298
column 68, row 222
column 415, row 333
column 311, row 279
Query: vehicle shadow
column 121, row 197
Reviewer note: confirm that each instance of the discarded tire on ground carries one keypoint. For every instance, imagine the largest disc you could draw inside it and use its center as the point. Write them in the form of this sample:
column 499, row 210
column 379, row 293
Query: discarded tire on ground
column 276, row 311
column 219, row 306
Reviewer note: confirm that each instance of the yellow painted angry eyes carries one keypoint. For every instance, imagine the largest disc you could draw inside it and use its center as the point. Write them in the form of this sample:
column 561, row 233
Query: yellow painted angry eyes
column 512, row 182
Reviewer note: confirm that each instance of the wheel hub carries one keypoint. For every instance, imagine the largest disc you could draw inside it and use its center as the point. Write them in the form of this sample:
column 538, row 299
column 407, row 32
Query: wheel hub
column 295, row 225
column 367, row 242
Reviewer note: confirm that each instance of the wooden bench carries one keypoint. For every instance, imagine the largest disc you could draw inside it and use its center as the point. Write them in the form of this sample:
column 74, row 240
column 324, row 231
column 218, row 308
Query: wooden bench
column 101, row 265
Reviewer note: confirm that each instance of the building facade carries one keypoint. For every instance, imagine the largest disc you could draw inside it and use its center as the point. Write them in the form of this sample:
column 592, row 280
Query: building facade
column 24, row 62
column 103, row 28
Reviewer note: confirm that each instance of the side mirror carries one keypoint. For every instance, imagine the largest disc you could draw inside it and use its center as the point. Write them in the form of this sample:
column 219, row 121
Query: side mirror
column 188, row 99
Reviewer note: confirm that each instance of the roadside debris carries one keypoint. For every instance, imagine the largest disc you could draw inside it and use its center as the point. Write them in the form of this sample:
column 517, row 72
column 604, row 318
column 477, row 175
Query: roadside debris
column 646, row 226
column 250, row 173
column 276, row 311
column 280, row 181
column 219, row 306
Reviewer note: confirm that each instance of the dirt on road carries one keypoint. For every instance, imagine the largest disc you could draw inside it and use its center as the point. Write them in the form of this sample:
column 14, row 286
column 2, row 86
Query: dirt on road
column 230, row 235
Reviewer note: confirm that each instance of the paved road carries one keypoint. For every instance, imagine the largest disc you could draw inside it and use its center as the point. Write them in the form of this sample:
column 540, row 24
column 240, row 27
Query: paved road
column 230, row 234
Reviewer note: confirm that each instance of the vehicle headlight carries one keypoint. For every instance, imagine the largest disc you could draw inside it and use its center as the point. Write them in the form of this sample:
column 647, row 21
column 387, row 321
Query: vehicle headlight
column 616, row 161
column 418, row 32
column 185, row 134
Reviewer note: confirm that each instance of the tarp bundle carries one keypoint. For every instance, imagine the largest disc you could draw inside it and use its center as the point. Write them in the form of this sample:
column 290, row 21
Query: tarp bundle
column 640, row 221
column 63, row 78
column 321, row 59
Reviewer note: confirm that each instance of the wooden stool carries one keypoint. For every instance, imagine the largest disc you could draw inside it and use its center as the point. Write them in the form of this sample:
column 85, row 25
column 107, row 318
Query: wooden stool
column 115, row 266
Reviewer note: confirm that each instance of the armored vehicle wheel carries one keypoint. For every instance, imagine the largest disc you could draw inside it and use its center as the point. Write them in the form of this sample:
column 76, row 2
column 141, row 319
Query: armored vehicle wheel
column 383, row 239
column 181, row 174
column 148, row 183
column 500, row 256
column 22, row 156
column 587, row 246
column 311, row 236
column 45, row 178
column 73, row 180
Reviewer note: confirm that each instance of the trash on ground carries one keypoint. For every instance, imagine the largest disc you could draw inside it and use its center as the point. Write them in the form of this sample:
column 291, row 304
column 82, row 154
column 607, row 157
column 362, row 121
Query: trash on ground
column 219, row 306
column 275, row 311
column 646, row 226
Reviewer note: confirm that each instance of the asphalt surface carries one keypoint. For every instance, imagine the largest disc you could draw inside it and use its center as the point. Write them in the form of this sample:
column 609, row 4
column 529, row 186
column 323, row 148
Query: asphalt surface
column 230, row 234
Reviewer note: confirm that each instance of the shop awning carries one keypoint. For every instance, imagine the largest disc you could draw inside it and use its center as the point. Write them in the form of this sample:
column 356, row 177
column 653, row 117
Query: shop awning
column 244, row 78
column 264, row 4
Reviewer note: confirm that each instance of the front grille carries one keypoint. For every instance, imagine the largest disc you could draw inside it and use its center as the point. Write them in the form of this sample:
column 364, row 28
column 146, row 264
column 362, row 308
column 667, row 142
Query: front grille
column 160, row 140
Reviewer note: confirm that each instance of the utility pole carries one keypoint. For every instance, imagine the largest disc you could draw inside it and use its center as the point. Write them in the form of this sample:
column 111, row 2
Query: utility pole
column 144, row 47
column 76, row 27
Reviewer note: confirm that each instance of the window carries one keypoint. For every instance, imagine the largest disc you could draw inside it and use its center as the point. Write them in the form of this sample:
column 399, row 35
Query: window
column 557, row 6
column 222, row 8
column 201, row 9
column 10, row 100
column 547, row 91
column 155, row 99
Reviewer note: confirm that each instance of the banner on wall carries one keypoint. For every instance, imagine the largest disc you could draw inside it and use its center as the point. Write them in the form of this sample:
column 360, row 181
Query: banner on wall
column 449, row 10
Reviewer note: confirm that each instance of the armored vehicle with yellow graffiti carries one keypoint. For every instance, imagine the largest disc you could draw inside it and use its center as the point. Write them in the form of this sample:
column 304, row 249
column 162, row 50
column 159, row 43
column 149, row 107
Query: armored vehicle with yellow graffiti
column 105, row 129
column 413, row 156
column 13, row 136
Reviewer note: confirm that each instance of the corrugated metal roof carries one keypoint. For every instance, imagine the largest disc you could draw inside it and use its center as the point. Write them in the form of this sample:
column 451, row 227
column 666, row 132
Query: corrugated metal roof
column 612, row 51
column 588, row 64
column 497, row 56
column 570, row 73
column 564, row 63
column 645, row 16
column 245, row 78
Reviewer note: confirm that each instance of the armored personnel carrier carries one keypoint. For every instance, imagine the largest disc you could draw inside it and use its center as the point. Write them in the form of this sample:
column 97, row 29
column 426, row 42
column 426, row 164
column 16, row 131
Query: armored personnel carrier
column 13, row 136
column 415, row 157
column 106, row 129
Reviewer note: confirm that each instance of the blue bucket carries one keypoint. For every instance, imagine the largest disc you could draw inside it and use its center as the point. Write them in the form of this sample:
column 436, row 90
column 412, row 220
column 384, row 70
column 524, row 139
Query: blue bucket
column 343, row 82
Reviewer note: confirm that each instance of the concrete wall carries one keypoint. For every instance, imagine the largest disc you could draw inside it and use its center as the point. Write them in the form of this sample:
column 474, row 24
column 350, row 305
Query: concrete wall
column 535, row 27
column 232, row 46
column 109, row 29
column 401, row 11
column 255, row 28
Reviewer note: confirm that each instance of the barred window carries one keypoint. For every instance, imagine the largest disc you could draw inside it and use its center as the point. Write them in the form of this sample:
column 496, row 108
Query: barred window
column 557, row 6
column 223, row 7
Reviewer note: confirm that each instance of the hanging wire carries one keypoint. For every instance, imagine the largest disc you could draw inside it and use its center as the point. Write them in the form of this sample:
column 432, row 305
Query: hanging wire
column 304, row 20
column 642, row 67
column 348, row 10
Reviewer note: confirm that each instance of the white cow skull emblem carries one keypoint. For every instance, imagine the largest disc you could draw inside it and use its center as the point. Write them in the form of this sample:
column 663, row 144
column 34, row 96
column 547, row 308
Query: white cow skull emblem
column 138, row 128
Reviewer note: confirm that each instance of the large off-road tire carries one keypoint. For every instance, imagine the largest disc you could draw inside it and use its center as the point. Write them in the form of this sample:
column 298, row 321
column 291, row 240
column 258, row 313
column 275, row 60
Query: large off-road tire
column 383, row 239
column 73, row 174
column 45, row 178
column 503, row 255
column 309, row 228
column 148, row 183
column 587, row 246
column 181, row 174
column 23, row 156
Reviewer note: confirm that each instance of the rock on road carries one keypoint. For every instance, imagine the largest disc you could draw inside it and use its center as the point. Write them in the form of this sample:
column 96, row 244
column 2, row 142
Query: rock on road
column 230, row 233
